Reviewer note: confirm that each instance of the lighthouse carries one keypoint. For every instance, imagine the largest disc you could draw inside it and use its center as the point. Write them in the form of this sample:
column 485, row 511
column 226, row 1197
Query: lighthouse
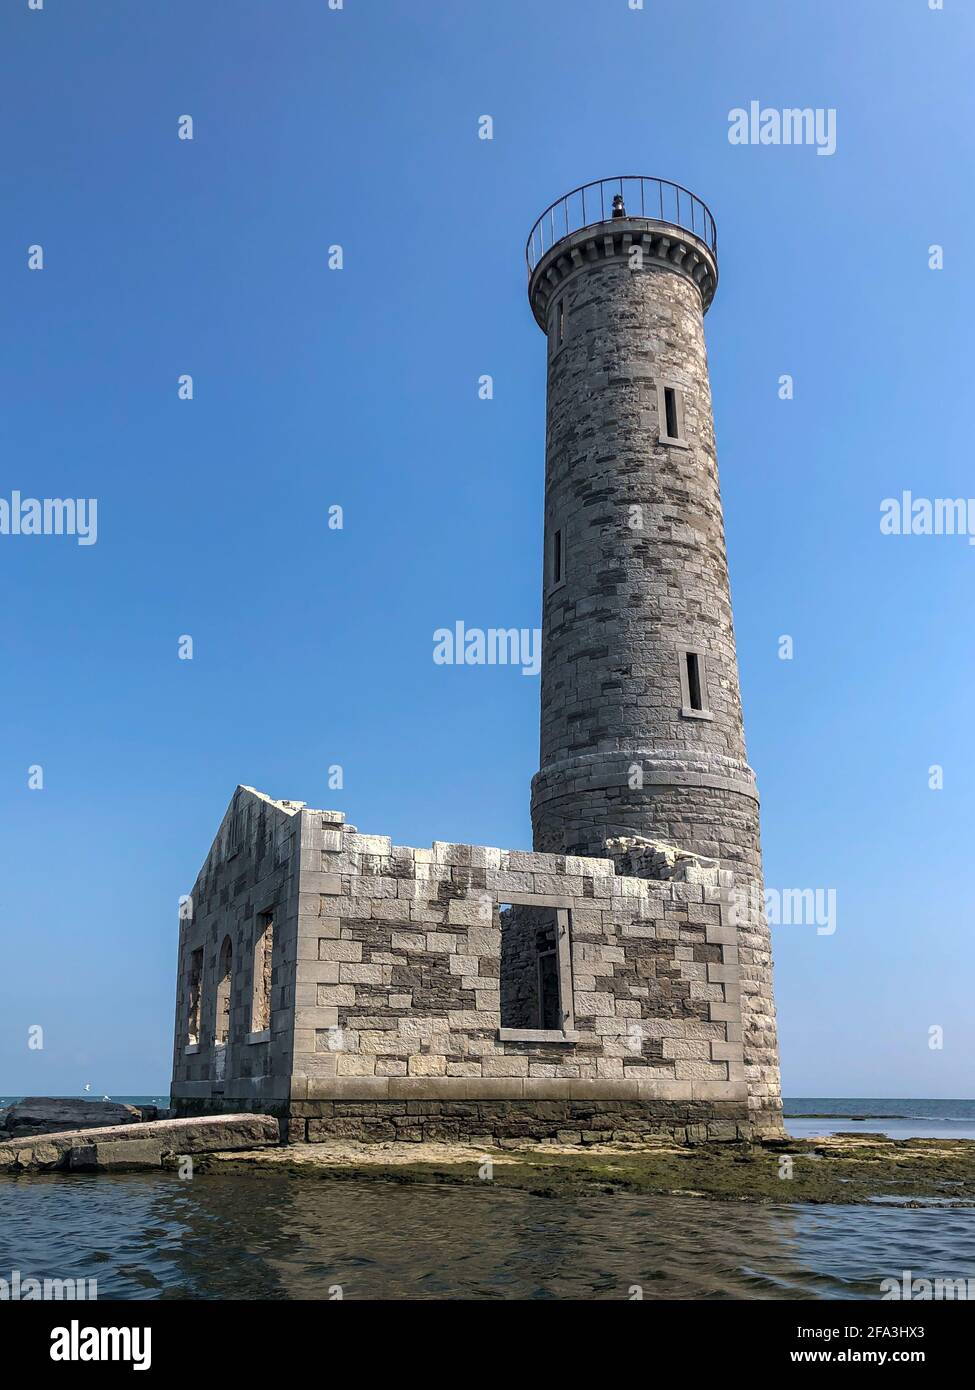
column 614, row 983
column 642, row 736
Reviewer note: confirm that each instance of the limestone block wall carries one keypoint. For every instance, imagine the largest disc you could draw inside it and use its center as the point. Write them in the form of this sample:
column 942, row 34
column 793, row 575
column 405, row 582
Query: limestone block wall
column 392, row 1015
column 644, row 572
column 398, row 1000
column 250, row 876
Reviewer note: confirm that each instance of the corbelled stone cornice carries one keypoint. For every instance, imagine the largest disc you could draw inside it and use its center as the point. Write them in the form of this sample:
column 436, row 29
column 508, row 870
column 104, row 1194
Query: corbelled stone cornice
column 663, row 245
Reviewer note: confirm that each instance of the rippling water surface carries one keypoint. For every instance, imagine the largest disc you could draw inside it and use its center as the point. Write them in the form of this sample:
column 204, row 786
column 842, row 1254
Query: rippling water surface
column 242, row 1236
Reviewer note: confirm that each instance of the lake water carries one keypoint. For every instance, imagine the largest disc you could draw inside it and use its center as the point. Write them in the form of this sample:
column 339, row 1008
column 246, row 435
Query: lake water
column 269, row 1236
column 901, row 1119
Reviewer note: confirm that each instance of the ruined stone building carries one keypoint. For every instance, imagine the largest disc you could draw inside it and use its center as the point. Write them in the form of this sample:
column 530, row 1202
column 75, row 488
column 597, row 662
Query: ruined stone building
column 617, row 980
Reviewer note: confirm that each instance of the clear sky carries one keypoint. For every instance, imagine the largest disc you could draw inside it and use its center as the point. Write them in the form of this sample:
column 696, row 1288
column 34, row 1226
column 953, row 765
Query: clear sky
column 316, row 387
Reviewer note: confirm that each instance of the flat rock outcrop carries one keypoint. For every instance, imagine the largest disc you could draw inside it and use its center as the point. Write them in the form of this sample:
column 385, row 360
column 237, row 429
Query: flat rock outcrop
column 54, row 1114
column 143, row 1145
column 834, row 1168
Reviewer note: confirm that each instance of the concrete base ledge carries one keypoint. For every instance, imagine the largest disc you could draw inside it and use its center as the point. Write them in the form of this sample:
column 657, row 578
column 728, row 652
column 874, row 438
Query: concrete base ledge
column 379, row 1088
column 139, row 1145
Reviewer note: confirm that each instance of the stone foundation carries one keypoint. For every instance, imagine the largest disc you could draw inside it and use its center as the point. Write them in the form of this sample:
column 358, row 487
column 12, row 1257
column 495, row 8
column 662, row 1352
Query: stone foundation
column 566, row 1121
column 599, row 1120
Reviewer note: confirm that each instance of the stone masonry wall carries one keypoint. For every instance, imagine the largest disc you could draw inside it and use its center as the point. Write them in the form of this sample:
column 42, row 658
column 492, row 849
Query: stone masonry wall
column 386, row 1007
column 645, row 570
column 251, row 870
column 398, row 1026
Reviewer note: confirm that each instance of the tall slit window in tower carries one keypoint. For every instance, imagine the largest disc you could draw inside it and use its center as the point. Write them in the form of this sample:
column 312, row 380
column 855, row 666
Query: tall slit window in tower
column 555, row 552
column 694, row 684
column 671, row 405
column 556, row 327
column 694, row 680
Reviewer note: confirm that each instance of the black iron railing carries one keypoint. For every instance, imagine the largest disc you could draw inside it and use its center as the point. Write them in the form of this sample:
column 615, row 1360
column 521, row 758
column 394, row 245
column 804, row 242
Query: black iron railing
column 658, row 200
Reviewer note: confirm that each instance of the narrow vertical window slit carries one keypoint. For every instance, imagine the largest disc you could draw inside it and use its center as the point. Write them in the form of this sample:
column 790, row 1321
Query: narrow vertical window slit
column 694, row 681
column 670, row 407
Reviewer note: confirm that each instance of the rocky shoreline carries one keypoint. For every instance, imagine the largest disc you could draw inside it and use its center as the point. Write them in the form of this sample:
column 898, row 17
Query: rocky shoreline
column 841, row 1168
column 844, row 1168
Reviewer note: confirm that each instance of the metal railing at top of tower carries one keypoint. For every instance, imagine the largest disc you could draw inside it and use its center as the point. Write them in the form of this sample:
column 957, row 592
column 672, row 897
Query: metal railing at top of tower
column 626, row 195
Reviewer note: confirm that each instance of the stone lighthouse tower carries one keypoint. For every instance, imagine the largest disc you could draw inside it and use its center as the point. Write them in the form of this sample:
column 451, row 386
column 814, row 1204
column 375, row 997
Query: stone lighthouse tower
column 642, row 736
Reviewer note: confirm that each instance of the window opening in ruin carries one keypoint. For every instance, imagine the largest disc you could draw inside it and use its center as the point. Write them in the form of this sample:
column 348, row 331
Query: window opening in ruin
column 263, row 958
column 235, row 834
column 549, row 1012
column 534, row 960
column 195, row 988
column 557, row 557
column 221, row 1029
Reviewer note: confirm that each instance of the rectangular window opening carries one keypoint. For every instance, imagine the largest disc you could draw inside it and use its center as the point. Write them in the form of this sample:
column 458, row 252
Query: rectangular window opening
column 549, row 1012
column 670, row 408
column 236, row 832
column 560, row 332
column 195, row 992
column 263, row 968
column 225, row 983
column 694, row 691
column 536, row 994
column 557, row 557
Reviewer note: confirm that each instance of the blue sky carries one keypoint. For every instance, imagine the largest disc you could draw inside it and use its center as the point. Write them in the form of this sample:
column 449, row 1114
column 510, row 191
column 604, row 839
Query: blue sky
column 358, row 387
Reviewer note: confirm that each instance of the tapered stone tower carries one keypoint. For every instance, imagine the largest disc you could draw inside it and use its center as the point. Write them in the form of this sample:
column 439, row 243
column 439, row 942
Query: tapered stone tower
column 641, row 722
